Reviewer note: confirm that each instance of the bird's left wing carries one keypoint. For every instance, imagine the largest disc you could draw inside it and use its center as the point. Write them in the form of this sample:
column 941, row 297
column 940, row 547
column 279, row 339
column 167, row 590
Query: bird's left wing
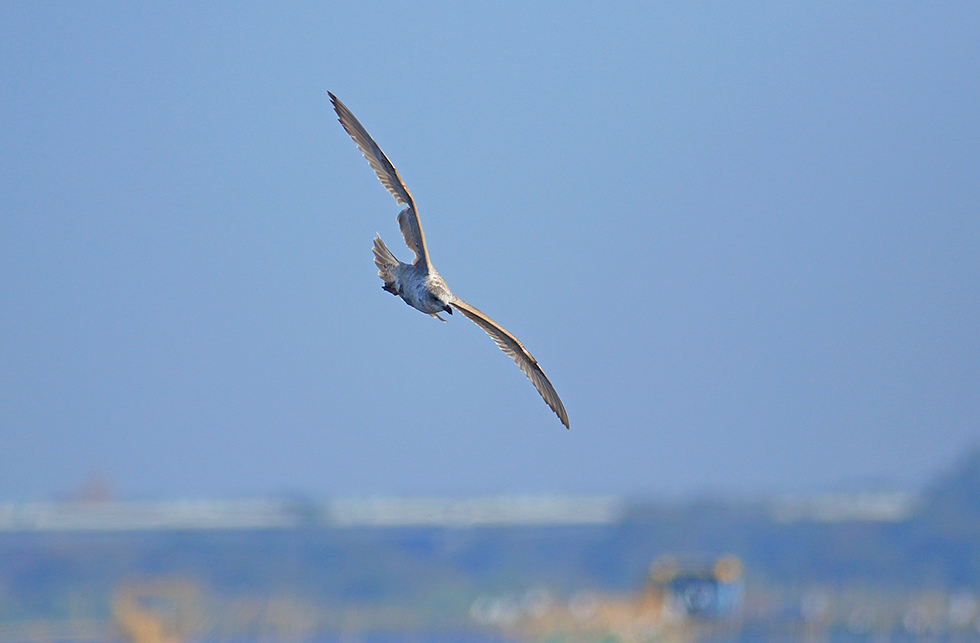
column 408, row 219
column 515, row 349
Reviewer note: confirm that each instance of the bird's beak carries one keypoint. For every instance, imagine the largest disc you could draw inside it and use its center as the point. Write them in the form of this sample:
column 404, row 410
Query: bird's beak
column 448, row 309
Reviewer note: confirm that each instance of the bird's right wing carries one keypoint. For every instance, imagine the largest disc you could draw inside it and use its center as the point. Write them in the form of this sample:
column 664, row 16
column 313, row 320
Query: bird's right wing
column 408, row 219
column 515, row 349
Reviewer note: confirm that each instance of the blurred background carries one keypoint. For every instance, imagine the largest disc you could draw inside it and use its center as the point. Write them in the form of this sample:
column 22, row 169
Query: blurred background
column 740, row 239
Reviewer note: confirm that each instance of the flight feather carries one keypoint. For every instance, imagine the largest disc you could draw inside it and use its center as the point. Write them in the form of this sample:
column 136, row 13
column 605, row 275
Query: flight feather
column 516, row 351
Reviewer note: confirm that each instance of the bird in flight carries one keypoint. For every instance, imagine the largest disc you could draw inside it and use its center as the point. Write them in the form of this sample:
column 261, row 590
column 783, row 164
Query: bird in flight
column 418, row 283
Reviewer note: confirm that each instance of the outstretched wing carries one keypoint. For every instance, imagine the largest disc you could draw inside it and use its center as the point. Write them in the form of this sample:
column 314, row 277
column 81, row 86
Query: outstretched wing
column 408, row 219
column 515, row 349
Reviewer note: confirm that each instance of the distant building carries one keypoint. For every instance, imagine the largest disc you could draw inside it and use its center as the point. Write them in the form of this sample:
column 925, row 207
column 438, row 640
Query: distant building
column 698, row 592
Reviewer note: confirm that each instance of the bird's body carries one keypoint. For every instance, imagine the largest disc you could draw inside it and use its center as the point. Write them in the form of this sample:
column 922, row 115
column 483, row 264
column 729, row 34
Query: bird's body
column 418, row 283
column 421, row 287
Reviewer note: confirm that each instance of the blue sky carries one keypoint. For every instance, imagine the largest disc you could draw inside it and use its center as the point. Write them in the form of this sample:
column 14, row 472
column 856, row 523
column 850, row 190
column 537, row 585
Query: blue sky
column 741, row 239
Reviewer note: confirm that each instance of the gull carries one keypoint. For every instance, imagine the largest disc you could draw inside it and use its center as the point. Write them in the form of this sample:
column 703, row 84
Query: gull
column 418, row 283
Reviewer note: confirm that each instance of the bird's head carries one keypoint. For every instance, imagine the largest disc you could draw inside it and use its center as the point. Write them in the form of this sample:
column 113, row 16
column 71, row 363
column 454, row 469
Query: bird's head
column 438, row 293
column 441, row 301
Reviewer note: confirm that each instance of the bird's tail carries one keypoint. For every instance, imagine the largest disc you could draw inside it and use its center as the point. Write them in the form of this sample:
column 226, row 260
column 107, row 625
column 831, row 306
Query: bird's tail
column 386, row 263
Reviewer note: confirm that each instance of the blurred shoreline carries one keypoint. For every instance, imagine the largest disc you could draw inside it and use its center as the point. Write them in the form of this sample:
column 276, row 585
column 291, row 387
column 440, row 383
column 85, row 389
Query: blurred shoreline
column 483, row 511
column 862, row 565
